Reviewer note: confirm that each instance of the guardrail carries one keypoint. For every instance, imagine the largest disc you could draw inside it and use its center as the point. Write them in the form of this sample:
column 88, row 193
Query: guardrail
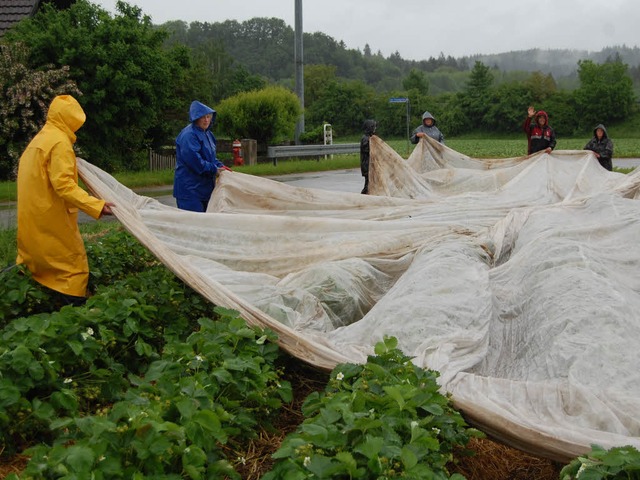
column 293, row 151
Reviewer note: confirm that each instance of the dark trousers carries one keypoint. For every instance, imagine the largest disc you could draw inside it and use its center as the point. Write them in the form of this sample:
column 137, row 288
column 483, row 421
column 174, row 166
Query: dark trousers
column 606, row 163
column 192, row 204
column 365, row 190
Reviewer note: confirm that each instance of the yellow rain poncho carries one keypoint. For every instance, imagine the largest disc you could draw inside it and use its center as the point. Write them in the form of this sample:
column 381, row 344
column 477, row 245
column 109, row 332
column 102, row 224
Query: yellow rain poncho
column 49, row 241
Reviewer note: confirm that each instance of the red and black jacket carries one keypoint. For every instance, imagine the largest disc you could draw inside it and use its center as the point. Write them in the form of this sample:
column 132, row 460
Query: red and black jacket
column 539, row 138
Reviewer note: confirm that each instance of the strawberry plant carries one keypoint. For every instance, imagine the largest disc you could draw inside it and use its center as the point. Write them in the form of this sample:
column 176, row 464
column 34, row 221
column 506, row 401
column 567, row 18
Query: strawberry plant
column 619, row 463
column 21, row 295
column 214, row 388
column 384, row 419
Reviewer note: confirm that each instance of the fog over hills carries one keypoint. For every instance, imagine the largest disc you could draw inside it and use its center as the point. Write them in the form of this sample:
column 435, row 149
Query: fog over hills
column 557, row 62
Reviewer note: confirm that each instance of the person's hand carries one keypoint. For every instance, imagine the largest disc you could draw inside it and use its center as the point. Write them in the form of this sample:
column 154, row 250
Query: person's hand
column 106, row 209
column 531, row 111
column 547, row 150
column 224, row 167
column 421, row 134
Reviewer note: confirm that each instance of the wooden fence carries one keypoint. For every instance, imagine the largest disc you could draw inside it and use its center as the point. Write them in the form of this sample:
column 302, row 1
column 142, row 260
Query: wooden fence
column 161, row 161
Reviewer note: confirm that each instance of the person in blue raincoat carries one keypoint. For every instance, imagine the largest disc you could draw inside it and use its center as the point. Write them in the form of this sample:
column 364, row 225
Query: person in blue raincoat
column 196, row 161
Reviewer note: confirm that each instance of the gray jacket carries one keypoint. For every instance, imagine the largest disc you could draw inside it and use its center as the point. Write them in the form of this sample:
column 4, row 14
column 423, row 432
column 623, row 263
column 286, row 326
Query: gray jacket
column 433, row 131
column 602, row 147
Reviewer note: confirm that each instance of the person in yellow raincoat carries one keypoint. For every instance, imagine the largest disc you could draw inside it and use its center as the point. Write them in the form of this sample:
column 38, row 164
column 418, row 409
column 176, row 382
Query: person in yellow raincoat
column 49, row 240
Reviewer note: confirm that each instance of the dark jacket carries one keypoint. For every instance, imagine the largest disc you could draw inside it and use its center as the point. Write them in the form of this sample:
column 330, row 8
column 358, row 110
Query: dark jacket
column 196, row 162
column 433, row 131
column 539, row 138
column 369, row 128
column 603, row 147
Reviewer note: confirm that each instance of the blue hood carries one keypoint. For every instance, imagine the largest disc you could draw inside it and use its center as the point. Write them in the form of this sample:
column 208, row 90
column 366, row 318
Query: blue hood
column 198, row 110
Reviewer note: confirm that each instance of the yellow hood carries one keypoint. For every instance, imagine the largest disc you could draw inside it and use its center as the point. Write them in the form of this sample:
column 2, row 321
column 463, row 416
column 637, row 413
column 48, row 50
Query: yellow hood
column 66, row 113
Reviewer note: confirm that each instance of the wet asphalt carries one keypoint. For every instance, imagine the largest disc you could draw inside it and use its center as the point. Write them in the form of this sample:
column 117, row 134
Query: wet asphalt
column 336, row 180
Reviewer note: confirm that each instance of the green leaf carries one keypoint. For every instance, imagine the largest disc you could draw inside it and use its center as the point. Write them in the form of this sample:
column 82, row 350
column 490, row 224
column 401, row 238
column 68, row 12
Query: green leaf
column 228, row 313
column 209, row 422
column 321, row 465
column 434, row 409
column 396, row 394
column 143, row 348
column 349, row 462
column 192, row 471
column 65, row 399
column 409, row 458
column 194, row 457
column 379, row 371
column 329, row 415
column 75, row 346
column 21, row 359
column 9, row 393
column 187, row 407
column 42, row 410
column 371, row 446
column 132, row 324
column 80, row 458
column 36, row 371
column 314, row 430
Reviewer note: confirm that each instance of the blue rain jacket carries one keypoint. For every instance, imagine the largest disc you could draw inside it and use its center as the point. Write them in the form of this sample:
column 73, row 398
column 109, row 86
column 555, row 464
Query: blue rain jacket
column 196, row 162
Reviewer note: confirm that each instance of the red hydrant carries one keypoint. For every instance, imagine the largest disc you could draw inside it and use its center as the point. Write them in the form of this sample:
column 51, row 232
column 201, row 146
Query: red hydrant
column 237, row 153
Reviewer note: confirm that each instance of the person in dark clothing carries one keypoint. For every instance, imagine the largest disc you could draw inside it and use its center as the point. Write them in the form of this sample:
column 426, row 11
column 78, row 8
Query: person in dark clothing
column 540, row 136
column 602, row 146
column 369, row 128
column 427, row 129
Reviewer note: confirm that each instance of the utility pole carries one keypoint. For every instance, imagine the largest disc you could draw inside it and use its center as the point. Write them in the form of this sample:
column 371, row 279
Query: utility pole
column 299, row 61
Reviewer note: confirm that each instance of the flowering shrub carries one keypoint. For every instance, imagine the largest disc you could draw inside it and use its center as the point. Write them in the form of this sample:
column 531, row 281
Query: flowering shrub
column 25, row 95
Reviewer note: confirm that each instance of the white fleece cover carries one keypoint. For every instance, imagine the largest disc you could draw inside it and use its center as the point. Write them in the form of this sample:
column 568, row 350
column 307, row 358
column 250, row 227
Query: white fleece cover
column 517, row 279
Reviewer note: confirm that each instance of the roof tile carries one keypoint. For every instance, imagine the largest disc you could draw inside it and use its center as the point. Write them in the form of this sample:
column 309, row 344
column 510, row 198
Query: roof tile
column 12, row 11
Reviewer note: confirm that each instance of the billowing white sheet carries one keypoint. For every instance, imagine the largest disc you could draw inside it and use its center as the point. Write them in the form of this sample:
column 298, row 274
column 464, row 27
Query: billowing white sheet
column 517, row 279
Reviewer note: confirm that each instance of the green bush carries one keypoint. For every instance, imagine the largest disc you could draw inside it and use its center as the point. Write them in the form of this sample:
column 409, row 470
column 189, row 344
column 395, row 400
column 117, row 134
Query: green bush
column 268, row 115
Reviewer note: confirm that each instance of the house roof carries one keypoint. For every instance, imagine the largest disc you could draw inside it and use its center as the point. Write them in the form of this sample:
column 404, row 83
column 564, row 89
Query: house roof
column 12, row 11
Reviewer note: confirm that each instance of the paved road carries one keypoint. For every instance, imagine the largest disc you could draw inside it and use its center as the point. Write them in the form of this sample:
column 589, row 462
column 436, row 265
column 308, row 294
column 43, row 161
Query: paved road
column 340, row 180
column 337, row 180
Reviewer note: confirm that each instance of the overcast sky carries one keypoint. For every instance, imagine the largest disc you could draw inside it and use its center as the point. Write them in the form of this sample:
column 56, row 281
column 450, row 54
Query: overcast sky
column 419, row 29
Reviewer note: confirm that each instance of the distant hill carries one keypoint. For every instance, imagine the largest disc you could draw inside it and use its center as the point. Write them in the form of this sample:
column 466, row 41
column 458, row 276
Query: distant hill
column 559, row 63
column 265, row 47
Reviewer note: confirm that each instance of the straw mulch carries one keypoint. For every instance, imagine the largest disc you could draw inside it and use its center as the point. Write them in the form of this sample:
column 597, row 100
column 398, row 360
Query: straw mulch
column 11, row 465
column 492, row 460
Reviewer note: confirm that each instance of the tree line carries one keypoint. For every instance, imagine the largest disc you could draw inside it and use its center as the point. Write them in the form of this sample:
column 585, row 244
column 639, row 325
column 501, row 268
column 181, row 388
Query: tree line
column 136, row 80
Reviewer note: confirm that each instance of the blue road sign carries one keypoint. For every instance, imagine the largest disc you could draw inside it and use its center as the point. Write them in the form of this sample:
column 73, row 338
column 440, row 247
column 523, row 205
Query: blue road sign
column 398, row 100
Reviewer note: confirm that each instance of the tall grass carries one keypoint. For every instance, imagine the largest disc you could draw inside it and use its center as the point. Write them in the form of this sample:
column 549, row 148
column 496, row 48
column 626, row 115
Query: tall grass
column 7, row 247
